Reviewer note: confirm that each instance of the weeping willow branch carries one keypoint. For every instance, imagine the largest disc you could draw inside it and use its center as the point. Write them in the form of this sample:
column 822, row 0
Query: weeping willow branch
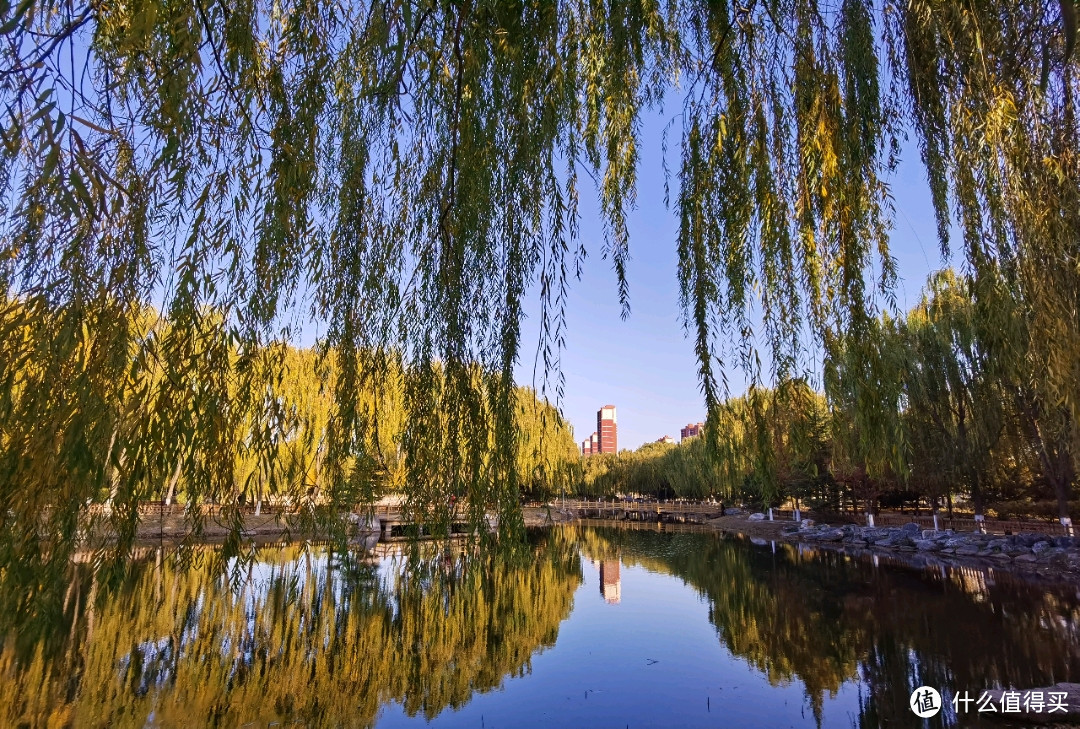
column 401, row 176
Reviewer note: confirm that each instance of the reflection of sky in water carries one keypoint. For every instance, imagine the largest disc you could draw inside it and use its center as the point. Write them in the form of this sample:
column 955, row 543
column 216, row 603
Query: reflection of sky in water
column 650, row 660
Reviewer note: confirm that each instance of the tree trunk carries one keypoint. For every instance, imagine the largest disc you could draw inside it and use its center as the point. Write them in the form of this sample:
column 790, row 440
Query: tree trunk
column 170, row 490
column 966, row 462
column 1053, row 450
column 1059, row 472
column 976, row 494
column 259, row 494
column 114, row 476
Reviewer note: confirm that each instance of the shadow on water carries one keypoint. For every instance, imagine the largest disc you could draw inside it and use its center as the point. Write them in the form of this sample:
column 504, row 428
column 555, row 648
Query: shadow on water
column 309, row 636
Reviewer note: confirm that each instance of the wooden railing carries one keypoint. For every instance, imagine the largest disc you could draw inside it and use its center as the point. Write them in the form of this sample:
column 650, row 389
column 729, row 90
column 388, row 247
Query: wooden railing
column 155, row 508
column 926, row 521
column 665, row 507
column 961, row 524
column 652, row 526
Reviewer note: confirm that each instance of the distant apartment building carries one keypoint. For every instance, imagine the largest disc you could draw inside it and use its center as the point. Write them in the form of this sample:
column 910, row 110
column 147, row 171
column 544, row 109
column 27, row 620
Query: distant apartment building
column 607, row 430
column 692, row 430
column 590, row 445
column 665, row 439
column 605, row 439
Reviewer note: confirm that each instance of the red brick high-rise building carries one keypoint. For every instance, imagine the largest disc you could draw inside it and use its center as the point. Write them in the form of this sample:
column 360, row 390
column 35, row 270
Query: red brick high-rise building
column 607, row 430
column 605, row 439
column 589, row 445
column 692, row 430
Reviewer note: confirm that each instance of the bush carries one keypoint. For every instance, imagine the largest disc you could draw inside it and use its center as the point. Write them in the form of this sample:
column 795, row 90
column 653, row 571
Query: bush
column 1030, row 509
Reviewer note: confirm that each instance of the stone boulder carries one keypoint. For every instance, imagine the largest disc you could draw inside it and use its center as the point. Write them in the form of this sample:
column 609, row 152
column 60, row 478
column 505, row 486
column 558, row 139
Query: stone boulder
column 756, row 517
column 1057, row 556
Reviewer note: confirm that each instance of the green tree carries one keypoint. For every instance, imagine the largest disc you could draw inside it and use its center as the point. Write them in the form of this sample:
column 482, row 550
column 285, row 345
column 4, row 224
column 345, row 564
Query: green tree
column 403, row 173
column 953, row 391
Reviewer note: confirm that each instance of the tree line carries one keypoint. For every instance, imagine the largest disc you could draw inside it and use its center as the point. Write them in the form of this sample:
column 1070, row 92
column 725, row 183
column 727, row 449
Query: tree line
column 128, row 437
column 937, row 407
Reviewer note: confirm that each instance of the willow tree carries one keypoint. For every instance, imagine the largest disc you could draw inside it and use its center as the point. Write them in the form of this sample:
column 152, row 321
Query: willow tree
column 865, row 380
column 953, row 385
column 404, row 176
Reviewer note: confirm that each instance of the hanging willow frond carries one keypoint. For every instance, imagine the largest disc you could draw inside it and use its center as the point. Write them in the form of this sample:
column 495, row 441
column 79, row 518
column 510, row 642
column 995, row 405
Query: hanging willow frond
column 187, row 185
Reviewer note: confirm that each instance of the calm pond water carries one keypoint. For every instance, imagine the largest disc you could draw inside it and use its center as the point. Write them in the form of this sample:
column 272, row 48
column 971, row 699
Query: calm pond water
column 590, row 626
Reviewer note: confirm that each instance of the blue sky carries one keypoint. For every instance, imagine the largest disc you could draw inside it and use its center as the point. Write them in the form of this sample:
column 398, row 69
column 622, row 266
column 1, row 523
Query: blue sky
column 645, row 365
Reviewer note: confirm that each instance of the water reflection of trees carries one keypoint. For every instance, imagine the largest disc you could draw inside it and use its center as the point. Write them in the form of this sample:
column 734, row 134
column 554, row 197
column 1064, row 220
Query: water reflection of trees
column 299, row 637
column 825, row 619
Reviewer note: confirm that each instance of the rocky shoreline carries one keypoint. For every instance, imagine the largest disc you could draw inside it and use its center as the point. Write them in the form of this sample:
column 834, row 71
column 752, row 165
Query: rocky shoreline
column 1026, row 548
column 1051, row 556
